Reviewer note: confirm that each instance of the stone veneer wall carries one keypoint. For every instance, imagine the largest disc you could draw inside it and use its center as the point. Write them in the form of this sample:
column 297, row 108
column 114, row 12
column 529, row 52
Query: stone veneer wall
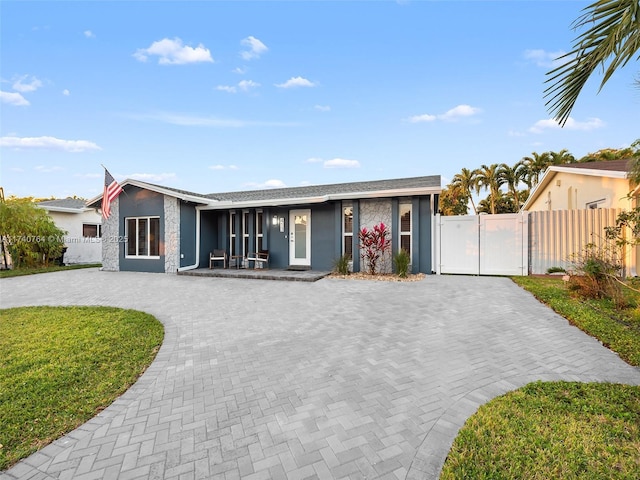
column 372, row 212
column 111, row 239
column 171, row 234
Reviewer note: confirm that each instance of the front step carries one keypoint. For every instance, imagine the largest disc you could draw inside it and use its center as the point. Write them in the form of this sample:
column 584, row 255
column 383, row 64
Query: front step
column 298, row 268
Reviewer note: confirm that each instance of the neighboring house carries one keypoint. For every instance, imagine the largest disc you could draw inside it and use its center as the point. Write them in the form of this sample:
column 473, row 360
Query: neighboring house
column 83, row 227
column 578, row 186
column 582, row 199
column 153, row 228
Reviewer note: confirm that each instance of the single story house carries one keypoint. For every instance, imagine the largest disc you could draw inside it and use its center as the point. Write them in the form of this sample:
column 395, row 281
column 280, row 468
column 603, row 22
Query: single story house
column 153, row 228
column 577, row 186
column 83, row 227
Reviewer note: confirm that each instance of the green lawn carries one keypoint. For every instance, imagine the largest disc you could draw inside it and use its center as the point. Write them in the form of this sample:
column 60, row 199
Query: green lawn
column 60, row 366
column 53, row 268
column 560, row 429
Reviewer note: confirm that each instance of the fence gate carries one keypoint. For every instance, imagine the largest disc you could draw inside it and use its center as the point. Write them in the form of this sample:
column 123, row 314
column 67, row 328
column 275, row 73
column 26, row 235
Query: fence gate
column 482, row 244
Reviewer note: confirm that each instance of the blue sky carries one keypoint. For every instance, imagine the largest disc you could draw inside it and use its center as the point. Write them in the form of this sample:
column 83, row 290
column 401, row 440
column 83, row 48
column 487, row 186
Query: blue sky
column 221, row 96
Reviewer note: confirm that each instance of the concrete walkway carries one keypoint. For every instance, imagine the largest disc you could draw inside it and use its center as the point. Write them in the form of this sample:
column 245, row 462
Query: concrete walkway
column 333, row 379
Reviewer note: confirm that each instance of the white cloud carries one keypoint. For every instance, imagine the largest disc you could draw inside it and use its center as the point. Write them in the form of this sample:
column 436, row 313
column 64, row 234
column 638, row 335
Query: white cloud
column 341, row 163
column 322, row 108
column 294, row 82
column 459, row 112
column 272, row 183
column 425, row 117
column 223, row 167
column 66, row 92
column 571, row 124
column 173, row 52
column 245, row 85
column 13, row 98
column 89, row 34
column 48, row 143
column 26, row 84
column 314, row 160
column 227, row 88
column 44, row 169
column 240, row 70
column 542, row 58
column 255, row 48
column 152, row 177
column 452, row 115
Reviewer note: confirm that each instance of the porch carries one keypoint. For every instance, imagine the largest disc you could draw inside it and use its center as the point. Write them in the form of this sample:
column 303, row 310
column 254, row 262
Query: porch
column 259, row 274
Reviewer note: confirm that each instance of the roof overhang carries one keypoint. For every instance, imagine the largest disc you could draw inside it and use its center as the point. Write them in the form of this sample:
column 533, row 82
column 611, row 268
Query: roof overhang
column 154, row 188
column 277, row 202
column 63, row 209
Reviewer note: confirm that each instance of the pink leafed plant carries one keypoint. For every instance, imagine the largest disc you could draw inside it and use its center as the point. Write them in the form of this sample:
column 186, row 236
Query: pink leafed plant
column 373, row 244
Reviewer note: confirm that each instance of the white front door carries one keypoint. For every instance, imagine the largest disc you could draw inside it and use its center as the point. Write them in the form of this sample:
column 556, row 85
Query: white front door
column 300, row 237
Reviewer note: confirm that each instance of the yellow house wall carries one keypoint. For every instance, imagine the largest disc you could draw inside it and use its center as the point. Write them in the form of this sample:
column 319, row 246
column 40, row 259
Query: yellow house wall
column 584, row 189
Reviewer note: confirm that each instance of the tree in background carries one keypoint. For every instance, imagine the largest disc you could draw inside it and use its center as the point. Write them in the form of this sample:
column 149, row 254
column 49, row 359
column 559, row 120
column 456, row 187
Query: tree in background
column 466, row 182
column 28, row 233
column 535, row 165
column 454, row 201
column 511, row 177
column 613, row 36
column 488, row 177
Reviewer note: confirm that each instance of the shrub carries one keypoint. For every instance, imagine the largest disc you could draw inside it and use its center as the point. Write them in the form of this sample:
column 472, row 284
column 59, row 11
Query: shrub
column 341, row 264
column 597, row 273
column 402, row 260
column 373, row 244
column 556, row 270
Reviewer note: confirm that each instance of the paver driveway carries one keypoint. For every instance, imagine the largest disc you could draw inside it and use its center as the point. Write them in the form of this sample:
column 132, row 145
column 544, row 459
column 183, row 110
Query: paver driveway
column 338, row 378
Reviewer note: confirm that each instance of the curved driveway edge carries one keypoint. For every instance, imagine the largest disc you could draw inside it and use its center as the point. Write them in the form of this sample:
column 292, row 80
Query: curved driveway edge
column 334, row 379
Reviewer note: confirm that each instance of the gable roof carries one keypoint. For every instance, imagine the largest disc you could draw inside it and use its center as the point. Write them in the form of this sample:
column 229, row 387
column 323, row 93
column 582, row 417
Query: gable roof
column 297, row 195
column 68, row 205
column 611, row 169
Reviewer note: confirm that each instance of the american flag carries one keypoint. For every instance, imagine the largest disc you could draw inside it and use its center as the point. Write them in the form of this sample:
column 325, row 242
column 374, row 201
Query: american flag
column 111, row 191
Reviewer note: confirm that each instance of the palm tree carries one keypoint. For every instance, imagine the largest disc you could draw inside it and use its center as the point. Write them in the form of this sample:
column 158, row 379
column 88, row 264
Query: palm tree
column 562, row 157
column 613, row 36
column 488, row 177
column 511, row 177
column 536, row 164
column 467, row 182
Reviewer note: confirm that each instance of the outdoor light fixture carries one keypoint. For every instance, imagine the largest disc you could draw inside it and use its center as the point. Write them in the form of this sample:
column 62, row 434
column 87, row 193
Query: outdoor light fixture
column 274, row 220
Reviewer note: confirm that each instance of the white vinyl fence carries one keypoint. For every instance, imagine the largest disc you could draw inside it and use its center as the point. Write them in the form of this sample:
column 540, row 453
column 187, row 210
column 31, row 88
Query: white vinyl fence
column 520, row 243
column 482, row 244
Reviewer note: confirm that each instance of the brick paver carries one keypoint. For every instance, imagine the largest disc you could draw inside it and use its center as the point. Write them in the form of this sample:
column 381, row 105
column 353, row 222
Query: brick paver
column 334, row 379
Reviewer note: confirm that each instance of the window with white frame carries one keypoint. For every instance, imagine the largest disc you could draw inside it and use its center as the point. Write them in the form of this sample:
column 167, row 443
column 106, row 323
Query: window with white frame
column 91, row 230
column 405, row 227
column 347, row 231
column 597, row 204
column 143, row 237
column 259, row 231
column 232, row 234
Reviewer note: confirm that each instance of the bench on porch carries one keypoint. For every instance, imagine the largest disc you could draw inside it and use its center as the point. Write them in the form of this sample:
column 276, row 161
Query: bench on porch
column 260, row 258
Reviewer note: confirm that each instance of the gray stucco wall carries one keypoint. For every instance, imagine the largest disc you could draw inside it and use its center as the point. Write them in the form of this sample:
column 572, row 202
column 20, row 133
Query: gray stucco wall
column 171, row 234
column 111, row 239
column 372, row 212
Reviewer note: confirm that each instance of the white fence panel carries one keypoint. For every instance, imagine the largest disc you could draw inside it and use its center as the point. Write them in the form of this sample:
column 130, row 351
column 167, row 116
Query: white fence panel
column 504, row 244
column 459, row 249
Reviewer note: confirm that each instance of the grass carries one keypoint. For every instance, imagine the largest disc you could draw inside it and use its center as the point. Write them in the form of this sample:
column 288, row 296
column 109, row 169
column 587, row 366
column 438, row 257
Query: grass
column 60, row 366
column 54, row 268
column 551, row 430
column 560, row 429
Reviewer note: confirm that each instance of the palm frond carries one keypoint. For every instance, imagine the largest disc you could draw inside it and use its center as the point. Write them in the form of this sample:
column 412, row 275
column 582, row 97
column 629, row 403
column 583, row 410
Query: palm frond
column 614, row 37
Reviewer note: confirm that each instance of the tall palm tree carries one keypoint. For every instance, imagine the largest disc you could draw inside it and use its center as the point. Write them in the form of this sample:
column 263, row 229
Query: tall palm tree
column 612, row 35
column 536, row 164
column 488, row 177
column 511, row 177
column 466, row 181
column 562, row 157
